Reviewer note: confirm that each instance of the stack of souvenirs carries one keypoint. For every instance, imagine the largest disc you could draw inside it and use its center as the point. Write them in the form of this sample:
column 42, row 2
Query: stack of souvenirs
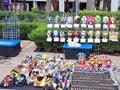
column 88, row 29
column 51, row 72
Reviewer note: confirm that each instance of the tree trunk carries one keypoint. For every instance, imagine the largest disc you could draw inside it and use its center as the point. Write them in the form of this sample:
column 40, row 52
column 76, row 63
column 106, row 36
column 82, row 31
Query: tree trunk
column 48, row 5
column 1, row 4
column 67, row 5
column 107, row 4
column 55, row 4
column 90, row 5
column 97, row 4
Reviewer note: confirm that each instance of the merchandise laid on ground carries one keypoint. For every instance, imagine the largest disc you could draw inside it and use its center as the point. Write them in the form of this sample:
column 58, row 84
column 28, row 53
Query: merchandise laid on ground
column 49, row 72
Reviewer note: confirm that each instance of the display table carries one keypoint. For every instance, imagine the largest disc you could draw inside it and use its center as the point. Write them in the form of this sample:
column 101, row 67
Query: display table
column 70, row 52
column 9, row 48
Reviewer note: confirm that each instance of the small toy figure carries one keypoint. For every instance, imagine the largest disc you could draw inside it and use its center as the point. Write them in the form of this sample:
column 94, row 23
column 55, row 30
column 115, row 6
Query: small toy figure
column 62, row 36
column 20, row 80
column 63, row 19
column 97, row 34
column 108, row 64
column 49, row 20
column 70, row 20
column 49, row 34
column 112, row 22
column 84, row 20
column 90, row 34
column 57, row 19
column 76, row 33
column 97, row 19
column 99, row 65
column 76, row 19
column 106, row 22
column 40, row 80
column 105, row 34
column 83, row 34
column 81, row 60
column 8, row 81
column 55, row 33
column 70, row 34
column 90, row 20
column 92, row 63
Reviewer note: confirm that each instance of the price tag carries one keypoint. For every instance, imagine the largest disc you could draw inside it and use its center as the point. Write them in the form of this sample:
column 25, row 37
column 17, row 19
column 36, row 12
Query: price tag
column 83, row 40
column 97, row 25
column 90, row 26
column 56, row 25
column 97, row 40
column 105, row 26
column 49, row 26
column 69, row 39
column 63, row 25
column 112, row 26
column 83, row 25
column 49, row 39
column 90, row 40
column 56, row 39
column 104, row 40
column 69, row 25
column 76, row 40
column 76, row 25
column 62, row 40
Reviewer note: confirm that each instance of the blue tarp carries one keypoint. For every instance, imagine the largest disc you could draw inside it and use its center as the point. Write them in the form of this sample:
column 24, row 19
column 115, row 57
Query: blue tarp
column 10, row 43
column 82, row 46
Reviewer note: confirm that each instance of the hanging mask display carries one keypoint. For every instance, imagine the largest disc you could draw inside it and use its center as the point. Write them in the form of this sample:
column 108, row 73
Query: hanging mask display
column 113, row 36
column 105, row 36
column 70, row 34
column 83, row 35
column 62, row 36
column 76, row 34
column 49, row 35
column 83, row 21
column 97, row 37
column 55, row 33
column 112, row 22
column 97, row 21
column 90, row 21
column 90, row 36
column 106, row 22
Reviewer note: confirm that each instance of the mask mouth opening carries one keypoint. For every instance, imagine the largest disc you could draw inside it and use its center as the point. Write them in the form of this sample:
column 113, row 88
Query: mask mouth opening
column 39, row 78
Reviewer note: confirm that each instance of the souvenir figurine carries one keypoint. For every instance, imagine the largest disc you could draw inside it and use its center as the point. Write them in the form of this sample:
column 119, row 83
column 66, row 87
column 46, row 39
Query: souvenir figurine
column 97, row 37
column 62, row 36
column 92, row 63
column 20, row 80
column 49, row 20
column 76, row 34
column 70, row 20
column 40, row 80
column 83, row 35
column 105, row 36
column 97, row 21
column 112, row 22
column 113, row 36
column 55, row 33
column 57, row 19
column 108, row 64
column 81, row 60
column 63, row 19
column 99, row 65
column 90, row 21
column 90, row 36
column 76, row 19
column 8, row 81
column 49, row 35
column 83, row 21
column 70, row 34
column 106, row 22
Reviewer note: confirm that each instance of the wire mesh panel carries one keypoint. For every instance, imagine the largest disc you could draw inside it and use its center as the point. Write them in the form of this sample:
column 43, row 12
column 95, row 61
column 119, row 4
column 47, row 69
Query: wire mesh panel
column 11, row 28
